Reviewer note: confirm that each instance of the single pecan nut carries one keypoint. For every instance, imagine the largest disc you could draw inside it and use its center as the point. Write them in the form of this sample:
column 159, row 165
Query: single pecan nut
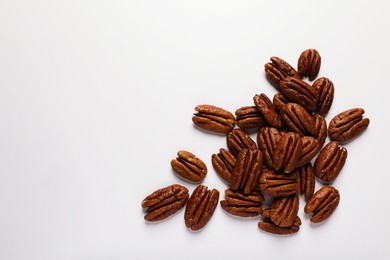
column 165, row 202
column 249, row 117
column 321, row 129
column 242, row 205
column 279, row 101
column 267, row 138
column 306, row 180
column 348, row 125
column 189, row 167
column 247, row 170
column 298, row 120
column 200, row 207
column 325, row 89
column 277, row 70
column 322, row 204
column 267, row 110
column 278, row 184
column 309, row 63
column 223, row 163
column 284, row 210
column 330, row 161
column 287, row 152
column 214, row 119
column 238, row 139
column 298, row 91
column 310, row 148
column 268, row 226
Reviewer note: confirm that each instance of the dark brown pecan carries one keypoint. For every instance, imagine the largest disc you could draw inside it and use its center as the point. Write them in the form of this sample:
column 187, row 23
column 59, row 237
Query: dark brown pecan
column 242, row 205
column 309, row 63
column 305, row 179
column 287, row 152
column 267, row 110
column 322, row 204
column 200, row 207
column 298, row 120
column 348, row 125
column 298, row 91
column 249, row 118
column 278, row 184
column 247, row 170
column 267, row 138
column 330, row 161
column 310, row 148
column 321, row 129
column 238, row 139
column 189, row 167
column 284, row 210
column 325, row 91
column 279, row 101
column 214, row 119
column 223, row 163
column 165, row 202
column 277, row 70
column 270, row 227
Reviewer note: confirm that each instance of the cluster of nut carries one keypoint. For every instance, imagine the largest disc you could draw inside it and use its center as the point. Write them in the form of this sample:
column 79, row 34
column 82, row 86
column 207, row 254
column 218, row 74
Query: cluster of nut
column 291, row 131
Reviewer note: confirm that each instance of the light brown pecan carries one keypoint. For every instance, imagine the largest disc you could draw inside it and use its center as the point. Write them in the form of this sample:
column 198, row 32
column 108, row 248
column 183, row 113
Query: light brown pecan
column 279, row 101
column 249, row 117
column 200, row 207
column 267, row 138
column 325, row 91
column 247, row 170
column 189, row 167
column 242, row 205
column 267, row 110
column 321, row 129
column 165, row 202
column 214, row 119
column 298, row 120
column 287, row 152
column 310, row 148
column 284, row 210
column 223, row 163
column 238, row 139
column 348, row 125
column 277, row 70
column 309, row 63
column 268, row 226
column 278, row 184
column 298, row 91
column 330, row 161
column 305, row 179
column 322, row 204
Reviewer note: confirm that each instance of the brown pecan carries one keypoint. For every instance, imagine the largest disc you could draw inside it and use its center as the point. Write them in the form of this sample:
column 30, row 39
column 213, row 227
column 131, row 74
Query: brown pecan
column 277, row 70
column 242, row 205
column 305, row 179
column 214, row 119
column 223, row 163
column 267, row 138
column 321, row 129
column 348, row 125
column 309, row 64
column 287, row 152
column 279, row 101
column 278, row 184
column 238, row 139
column 284, row 210
column 310, row 148
column 189, row 167
column 247, row 170
column 298, row 91
column 200, row 207
column 325, row 91
column 267, row 110
column 298, row 120
column 330, row 161
column 249, row 117
column 270, row 227
column 322, row 204
column 165, row 202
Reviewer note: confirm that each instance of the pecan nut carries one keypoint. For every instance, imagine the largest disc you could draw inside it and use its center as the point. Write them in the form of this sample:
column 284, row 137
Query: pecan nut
column 287, row 152
column 279, row 101
column 298, row 120
column 249, row 117
column 278, row 69
column 165, row 202
column 247, row 170
column 325, row 91
column 309, row 63
column 322, row 204
column 242, row 205
column 310, row 147
column 200, row 207
column 321, row 129
column 277, row 184
column 267, row 110
column 189, row 167
column 267, row 138
column 284, row 210
column 268, row 226
column 223, row 163
column 238, row 139
column 214, row 119
column 306, row 180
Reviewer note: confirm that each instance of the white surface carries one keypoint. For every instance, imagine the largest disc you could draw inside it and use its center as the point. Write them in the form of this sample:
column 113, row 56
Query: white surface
column 96, row 98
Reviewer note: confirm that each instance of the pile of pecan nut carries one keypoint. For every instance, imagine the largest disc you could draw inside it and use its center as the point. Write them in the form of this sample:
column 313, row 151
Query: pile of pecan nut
column 291, row 131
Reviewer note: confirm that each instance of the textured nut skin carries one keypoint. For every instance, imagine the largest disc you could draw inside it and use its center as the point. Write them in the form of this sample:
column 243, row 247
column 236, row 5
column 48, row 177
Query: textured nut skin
column 249, row 117
column 298, row 120
column 238, row 139
column 242, row 205
column 309, row 63
column 279, row 101
column 284, row 210
column 325, row 89
column 214, row 119
column 298, row 91
column 321, row 129
column 322, row 204
column 277, row 184
column 247, row 170
column 330, row 161
column 287, row 152
column 310, row 148
column 277, row 70
column 189, row 167
column 268, row 226
column 267, row 110
column 267, row 138
column 305, row 179
column 165, row 202
column 223, row 164
column 347, row 125
column 200, row 207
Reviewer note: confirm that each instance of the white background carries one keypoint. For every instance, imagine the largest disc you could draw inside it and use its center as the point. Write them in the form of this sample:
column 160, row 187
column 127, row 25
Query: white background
column 96, row 98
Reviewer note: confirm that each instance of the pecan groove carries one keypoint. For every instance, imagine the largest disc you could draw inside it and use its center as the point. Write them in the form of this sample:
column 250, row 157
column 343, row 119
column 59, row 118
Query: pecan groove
column 267, row 138
column 298, row 120
column 223, row 163
column 298, row 91
column 214, row 119
column 309, row 63
column 267, row 110
column 306, row 180
column 287, row 152
column 278, row 69
column 242, row 205
column 189, row 167
column 277, row 184
column 322, row 204
column 310, row 148
column 325, row 89
column 268, row 226
column 284, row 210
column 247, row 170
column 238, row 139
column 249, row 118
